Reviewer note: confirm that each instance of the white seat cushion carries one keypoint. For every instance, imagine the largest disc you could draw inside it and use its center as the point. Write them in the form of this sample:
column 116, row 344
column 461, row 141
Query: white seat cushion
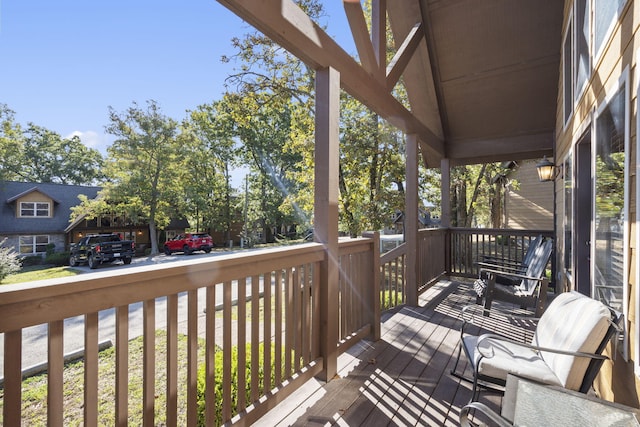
column 508, row 358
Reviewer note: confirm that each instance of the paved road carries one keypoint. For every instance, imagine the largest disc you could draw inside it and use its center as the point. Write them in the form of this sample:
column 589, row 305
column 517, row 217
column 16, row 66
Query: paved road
column 34, row 339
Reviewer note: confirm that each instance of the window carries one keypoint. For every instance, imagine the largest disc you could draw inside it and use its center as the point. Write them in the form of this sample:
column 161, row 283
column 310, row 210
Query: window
column 567, row 73
column 33, row 244
column 567, row 171
column 583, row 57
column 35, row 209
column 611, row 175
column 606, row 13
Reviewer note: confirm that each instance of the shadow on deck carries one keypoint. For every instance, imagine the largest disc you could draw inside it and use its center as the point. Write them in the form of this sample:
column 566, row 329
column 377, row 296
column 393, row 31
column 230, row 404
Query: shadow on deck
column 404, row 379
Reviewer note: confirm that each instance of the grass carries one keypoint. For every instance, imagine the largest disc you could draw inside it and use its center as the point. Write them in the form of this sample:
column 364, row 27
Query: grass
column 39, row 272
column 34, row 389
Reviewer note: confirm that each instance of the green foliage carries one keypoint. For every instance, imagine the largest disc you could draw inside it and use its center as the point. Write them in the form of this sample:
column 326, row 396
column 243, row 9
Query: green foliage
column 38, row 154
column 57, row 258
column 9, row 261
column 234, row 381
column 31, row 260
column 390, row 299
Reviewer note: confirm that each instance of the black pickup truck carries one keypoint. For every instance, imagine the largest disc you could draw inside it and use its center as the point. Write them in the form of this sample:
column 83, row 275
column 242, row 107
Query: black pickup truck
column 95, row 249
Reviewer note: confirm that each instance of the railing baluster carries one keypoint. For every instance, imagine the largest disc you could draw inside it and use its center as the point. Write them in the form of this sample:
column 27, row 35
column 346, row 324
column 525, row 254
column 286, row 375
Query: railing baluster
column 55, row 386
column 172, row 360
column 267, row 330
column 122, row 365
column 297, row 340
column 242, row 343
column 210, row 356
column 12, row 409
column 226, row 348
column 315, row 317
column 255, row 338
column 306, row 315
column 192, row 356
column 91, row 369
column 288, row 334
column 148, row 364
column 278, row 326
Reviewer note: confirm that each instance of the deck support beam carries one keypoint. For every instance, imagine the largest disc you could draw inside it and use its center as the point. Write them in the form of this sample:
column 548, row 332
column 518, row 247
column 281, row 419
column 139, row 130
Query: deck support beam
column 326, row 211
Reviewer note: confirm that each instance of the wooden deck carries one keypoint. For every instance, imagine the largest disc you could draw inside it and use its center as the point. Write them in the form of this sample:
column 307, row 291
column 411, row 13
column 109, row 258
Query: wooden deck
column 402, row 380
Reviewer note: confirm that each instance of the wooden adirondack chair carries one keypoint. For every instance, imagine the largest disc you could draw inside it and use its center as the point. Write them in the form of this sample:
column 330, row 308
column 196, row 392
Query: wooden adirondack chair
column 512, row 266
column 532, row 289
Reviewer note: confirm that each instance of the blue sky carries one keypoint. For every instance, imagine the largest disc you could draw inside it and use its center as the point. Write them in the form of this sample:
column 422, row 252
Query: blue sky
column 64, row 62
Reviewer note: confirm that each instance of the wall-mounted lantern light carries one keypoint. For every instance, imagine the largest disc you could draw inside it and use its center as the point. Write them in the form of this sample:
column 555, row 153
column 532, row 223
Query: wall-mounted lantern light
column 546, row 170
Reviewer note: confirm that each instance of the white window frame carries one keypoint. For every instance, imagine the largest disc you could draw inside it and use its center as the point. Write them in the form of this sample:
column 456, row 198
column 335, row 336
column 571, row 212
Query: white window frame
column 34, row 244
column 607, row 34
column 569, row 32
column 568, row 157
column 579, row 91
column 37, row 206
column 637, row 276
column 611, row 92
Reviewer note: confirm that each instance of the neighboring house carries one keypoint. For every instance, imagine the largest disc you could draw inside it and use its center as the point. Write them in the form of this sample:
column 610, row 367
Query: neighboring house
column 424, row 218
column 529, row 204
column 34, row 215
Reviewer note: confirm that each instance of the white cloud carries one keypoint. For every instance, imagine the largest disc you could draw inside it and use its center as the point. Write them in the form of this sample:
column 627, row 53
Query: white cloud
column 92, row 139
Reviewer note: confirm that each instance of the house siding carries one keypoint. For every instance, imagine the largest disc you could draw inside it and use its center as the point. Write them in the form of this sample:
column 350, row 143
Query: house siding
column 617, row 380
column 529, row 204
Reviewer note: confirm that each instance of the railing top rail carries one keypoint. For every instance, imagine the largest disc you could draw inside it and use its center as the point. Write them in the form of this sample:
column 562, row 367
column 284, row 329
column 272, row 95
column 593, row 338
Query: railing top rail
column 502, row 231
column 393, row 253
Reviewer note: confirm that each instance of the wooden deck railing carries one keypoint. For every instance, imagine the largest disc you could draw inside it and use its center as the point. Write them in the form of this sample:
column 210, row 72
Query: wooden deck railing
column 467, row 246
column 247, row 325
column 259, row 309
column 359, row 311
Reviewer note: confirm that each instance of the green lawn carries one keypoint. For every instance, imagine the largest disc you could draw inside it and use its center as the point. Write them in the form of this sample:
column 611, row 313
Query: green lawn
column 39, row 272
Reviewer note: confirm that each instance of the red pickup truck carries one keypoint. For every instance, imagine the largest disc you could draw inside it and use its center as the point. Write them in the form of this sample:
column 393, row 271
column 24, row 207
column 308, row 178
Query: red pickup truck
column 189, row 242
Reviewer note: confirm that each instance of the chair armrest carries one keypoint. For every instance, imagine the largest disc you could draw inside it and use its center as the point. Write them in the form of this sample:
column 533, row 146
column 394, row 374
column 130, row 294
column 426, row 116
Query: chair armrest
column 505, row 261
column 496, row 337
column 498, row 267
column 516, row 275
column 495, row 418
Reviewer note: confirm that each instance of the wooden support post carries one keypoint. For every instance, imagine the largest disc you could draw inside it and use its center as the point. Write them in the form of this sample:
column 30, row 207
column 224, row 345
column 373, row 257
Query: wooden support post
column 445, row 208
column 326, row 211
column 445, row 196
column 411, row 220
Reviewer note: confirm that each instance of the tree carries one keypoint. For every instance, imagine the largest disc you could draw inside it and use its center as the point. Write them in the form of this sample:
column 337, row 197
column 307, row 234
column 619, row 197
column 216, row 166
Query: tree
column 47, row 157
column 212, row 154
column 145, row 168
column 10, row 145
column 40, row 155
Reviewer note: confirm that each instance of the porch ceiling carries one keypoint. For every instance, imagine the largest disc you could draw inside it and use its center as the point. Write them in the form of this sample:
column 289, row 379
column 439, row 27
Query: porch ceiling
column 493, row 67
column 482, row 82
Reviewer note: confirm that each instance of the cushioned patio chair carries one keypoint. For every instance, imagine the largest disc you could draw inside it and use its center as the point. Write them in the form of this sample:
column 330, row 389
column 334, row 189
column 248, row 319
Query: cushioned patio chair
column 566, row 348
column 532, row 289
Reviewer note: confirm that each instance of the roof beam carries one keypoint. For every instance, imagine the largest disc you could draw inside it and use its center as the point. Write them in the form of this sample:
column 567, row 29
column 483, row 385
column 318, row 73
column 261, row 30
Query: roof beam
column 403, row 55
column 288, row 25
column 521, row 147
column 360, row 33
column 379, row 31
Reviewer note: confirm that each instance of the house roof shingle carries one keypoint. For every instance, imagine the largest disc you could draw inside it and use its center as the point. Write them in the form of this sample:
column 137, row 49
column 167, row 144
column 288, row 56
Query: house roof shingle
column 65, row 196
